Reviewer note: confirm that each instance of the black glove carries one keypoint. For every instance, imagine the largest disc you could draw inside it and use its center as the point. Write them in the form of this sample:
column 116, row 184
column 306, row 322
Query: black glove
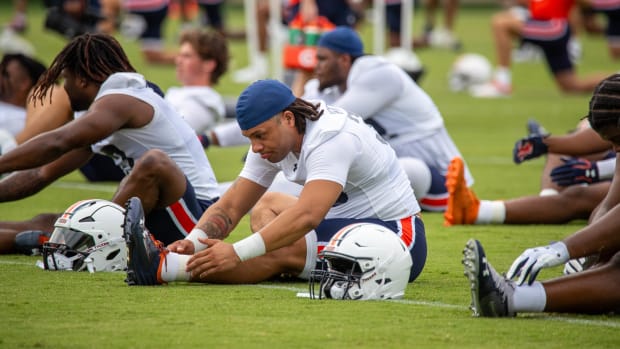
column 529, row 148
column 575, row 171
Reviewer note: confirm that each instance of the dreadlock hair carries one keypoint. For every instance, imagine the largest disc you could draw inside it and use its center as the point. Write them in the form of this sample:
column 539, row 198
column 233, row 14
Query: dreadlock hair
column 209, row 44
column 92, row 56
column 605, row 104
column 303, row 110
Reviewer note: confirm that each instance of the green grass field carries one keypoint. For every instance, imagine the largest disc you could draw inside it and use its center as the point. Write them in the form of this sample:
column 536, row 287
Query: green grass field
column 41, row 309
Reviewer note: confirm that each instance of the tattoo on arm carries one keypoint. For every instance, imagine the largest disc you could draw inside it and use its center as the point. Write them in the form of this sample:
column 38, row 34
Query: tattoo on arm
column 218, row 225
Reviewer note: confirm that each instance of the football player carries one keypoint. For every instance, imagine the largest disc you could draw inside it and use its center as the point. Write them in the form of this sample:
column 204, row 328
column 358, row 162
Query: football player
column 593, row 290
column 546, row 25
column 124, row 118
column 349, row 175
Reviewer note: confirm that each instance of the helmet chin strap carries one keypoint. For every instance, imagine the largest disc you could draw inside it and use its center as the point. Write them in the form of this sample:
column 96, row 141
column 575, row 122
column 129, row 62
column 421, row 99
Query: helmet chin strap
column 345, row 290
column 90, row 264
column 57, row 261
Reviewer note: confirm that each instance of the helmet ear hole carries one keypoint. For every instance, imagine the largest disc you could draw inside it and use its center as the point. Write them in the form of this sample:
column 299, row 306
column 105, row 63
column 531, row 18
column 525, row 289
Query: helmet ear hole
column 112, row 255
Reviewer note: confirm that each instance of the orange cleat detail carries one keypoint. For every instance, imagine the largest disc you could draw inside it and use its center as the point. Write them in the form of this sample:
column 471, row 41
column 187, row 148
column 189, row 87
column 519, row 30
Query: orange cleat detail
column 463, row 205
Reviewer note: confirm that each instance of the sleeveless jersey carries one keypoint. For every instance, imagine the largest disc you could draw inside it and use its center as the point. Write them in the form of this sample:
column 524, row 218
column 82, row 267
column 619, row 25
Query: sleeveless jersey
column 167, row 131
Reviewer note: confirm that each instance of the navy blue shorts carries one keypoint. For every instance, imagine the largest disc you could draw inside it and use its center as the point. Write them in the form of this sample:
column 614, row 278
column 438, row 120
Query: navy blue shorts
column 337, row 11
column 436, row 200
column 154, row 21
column 177, row 220
column 410, row 230
column 101, row 168
column 552, row 37
column 393, row 17
column 212, row 15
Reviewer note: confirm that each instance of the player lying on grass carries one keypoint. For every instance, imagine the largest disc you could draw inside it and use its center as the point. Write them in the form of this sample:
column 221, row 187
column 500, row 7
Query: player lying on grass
column 570, row 201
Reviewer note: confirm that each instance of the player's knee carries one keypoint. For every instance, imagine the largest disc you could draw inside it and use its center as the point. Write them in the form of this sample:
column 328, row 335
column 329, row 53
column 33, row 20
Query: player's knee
column 500, row 21
column 419, row 175
column 153, row 161
column 263, row 211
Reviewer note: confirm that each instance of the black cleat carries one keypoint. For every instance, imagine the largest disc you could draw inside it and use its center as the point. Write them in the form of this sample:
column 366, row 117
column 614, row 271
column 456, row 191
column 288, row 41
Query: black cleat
column 30, row 242
column 144, row 253
column 491, row 293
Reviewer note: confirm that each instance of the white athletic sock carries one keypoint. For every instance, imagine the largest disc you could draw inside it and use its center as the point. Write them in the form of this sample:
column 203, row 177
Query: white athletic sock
column 529, row 298
column 491, row 212
column 503, row 76
column 548, row 192
column 173, row 268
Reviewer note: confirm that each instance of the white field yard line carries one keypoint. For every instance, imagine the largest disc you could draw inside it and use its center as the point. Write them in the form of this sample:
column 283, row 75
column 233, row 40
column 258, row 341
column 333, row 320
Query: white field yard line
column 108, row 188
column 596, row 323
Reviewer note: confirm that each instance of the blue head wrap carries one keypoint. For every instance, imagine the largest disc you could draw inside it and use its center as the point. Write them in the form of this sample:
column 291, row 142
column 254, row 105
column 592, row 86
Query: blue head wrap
column 262, row 100
column 342, row 40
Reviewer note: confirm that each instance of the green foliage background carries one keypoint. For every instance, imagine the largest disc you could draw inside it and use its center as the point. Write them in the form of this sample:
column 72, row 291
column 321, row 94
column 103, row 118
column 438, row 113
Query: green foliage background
column 79, row 310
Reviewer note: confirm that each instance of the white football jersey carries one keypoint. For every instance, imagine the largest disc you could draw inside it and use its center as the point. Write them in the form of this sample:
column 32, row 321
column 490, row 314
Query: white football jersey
column 342, row 148
column 201, row 106
column 402, row 112
column 167, row 131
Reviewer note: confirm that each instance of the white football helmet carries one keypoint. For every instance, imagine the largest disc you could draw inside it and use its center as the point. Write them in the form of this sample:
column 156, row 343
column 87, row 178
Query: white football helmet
column 88, row 236
column 469, row 70
column 364, row 261
column 407, row 60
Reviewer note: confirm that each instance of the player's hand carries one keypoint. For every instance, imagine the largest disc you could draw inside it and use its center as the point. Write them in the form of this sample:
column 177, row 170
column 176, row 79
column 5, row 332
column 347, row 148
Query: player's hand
column 575, row 171
column 218, row 257
column 182, row 247
column 532, row 260
column 529, row 148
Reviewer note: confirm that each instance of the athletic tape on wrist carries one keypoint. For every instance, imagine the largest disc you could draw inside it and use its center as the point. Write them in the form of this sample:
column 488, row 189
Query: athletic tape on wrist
column 250, row 247
column 194, row 235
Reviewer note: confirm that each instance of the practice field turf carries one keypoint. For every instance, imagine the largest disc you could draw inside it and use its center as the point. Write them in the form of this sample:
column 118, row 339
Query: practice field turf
column 41, row 309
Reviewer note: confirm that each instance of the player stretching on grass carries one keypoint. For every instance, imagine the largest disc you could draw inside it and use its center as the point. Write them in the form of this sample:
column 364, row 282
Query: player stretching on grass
column 595, row 290
column 348, row 172
column 125, row 119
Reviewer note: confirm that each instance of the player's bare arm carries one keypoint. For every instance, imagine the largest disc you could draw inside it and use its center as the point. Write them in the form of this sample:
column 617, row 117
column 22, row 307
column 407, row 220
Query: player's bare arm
column 25, row 183
column 315, row 200
column 222, row 217
column 105, row 116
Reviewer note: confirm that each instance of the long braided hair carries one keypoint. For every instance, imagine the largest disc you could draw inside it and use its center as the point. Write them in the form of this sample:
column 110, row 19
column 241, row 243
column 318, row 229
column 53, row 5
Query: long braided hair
column 605, row 104
column 304, row 110
column 92, row 56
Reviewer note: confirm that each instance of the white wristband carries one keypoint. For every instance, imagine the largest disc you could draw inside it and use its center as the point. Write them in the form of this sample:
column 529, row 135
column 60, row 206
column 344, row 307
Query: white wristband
column 606, row 168
column 194, row 235
column 250, row 247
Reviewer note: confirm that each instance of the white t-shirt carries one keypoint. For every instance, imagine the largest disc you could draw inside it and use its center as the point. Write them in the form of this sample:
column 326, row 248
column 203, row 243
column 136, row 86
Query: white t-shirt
column 12, row 118
column 201, row 106
column 167, row 131
column 402, row 112
column 340, row 147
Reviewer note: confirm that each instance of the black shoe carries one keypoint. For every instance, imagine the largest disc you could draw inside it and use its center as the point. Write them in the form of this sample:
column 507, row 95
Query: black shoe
column 30, row 242
column 144, row 253
column 491, row 293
